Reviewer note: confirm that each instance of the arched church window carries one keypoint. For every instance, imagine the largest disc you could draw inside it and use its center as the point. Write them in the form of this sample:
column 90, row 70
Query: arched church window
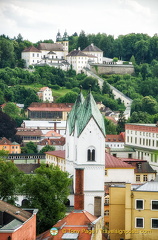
column 91, row 154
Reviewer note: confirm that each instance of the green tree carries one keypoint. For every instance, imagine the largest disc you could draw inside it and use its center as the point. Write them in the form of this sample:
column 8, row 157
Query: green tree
column 110, row 127
column 121, row 123
column 31, row 147
column 8, row 127
column 7, row 56
column 47, row 190
column 149, row 105
column 10, row 181
column 82, row 40
column 140, row 117
column 69, row 97
column 47, row 148
column 11, row 109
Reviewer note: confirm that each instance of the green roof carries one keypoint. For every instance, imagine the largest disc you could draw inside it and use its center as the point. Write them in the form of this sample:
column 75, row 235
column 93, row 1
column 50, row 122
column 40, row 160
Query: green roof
column 82, row 112
column 74, row 113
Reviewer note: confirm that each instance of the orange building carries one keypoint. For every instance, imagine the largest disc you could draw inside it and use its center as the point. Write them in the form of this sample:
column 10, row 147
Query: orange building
column 11, row 147
column 16, row 223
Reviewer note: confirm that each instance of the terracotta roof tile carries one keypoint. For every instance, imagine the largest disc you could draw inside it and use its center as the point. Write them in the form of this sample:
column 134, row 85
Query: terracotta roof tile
column 52, row 134
column 113, row 162
column 50, row 107
column 78, row 222
column 114, row 138
column 28, row 132
column 12, row 210
column 5, row 141
column 58, row 153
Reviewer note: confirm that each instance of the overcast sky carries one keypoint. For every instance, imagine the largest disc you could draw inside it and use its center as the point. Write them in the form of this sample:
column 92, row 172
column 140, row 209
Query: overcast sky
column 41, row 19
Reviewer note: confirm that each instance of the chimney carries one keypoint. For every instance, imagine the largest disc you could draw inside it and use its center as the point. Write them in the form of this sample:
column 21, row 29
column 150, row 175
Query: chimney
column 55, row 126
column 79, row 189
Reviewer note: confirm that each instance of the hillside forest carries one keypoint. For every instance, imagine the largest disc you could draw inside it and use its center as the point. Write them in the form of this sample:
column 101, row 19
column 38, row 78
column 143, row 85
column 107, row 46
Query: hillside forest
column 18, row 85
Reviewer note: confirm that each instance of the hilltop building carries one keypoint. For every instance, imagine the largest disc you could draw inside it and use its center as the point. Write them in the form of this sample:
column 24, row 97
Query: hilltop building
column 53, row 54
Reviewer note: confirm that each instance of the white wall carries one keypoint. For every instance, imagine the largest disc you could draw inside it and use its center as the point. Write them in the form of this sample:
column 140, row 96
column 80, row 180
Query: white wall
column 120, row 175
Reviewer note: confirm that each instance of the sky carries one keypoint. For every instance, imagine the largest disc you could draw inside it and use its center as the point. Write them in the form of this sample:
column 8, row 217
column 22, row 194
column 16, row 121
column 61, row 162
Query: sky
column 39, row 20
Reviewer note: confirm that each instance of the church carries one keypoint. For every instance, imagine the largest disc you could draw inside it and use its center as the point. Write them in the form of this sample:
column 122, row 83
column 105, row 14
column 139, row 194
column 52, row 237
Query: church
column 58, row 55
column 85, row 155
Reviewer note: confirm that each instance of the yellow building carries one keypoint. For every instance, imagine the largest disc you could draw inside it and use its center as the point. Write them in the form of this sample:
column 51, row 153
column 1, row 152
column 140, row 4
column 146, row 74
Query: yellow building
column 10, row 147
column 57, row 158
column 133, row 213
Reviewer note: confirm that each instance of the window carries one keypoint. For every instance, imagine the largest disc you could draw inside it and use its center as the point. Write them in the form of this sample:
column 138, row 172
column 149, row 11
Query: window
column 139, row 204
column 106, row 213
column 145, row 178
column 139, row 222
column 91, row 154
column 137, row 178
column 106, row 172
column 154, row 223
column 154, row 204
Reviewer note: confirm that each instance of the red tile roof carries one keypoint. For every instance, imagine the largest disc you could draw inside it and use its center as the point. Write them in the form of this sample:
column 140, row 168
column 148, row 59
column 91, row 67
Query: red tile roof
column 113, row 162
column 58, row 153
column 28, row 132
column 52, row 134
column 76, row 222
column 57, row 141
column 50, row 107
column 5, row 141
column 43, row 89
column 115, row 138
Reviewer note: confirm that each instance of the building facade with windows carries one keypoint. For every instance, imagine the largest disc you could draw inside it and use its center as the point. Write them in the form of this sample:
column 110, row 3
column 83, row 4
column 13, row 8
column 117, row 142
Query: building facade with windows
column 134, row 212
column 85, row 155
column 144, row 139
column 45, row 94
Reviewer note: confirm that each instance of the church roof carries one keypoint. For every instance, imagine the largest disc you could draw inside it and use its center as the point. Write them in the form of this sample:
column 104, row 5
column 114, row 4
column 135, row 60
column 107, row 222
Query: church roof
column 76, row 53
column 82, row 112
column 31, row 49
column 92, row 48
column 74, row 112
column 50, row 46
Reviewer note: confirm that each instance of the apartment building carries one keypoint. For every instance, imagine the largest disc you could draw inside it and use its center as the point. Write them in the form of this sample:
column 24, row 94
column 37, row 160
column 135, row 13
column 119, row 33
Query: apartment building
column 144, row 139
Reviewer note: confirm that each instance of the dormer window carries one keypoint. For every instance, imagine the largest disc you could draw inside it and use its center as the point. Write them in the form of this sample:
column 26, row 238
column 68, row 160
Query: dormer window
column 91, row 154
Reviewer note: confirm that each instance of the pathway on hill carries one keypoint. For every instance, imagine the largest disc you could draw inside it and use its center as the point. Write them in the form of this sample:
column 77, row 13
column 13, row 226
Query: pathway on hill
column 117, row 94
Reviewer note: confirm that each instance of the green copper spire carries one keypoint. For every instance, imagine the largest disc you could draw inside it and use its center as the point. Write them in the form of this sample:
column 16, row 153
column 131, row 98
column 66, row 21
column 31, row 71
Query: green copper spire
column 82, row 112
column 73, row 115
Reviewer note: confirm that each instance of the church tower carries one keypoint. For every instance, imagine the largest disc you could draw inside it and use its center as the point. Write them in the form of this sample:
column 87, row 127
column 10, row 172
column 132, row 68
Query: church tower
column 65, row 42
column 85, row 154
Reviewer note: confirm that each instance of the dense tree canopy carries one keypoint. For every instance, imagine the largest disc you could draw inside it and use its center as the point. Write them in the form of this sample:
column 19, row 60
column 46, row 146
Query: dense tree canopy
column 47, row 190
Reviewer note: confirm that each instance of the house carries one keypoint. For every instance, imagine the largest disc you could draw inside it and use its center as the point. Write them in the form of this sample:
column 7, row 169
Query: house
column 11, row 147
column 53, row 54
column 133, row 212
column 45, row 94
column 142, row 170
column 143, row 138
column 115, row 141
column 16, row 223
column 49, row 111
column 76, row 226
column 27, row 135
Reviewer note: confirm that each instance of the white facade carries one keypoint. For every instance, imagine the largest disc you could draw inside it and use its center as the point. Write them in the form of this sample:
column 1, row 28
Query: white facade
column 45, row 94
column 31, row 58
column 79, row 148
column 144, row 139
column 120, row 175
